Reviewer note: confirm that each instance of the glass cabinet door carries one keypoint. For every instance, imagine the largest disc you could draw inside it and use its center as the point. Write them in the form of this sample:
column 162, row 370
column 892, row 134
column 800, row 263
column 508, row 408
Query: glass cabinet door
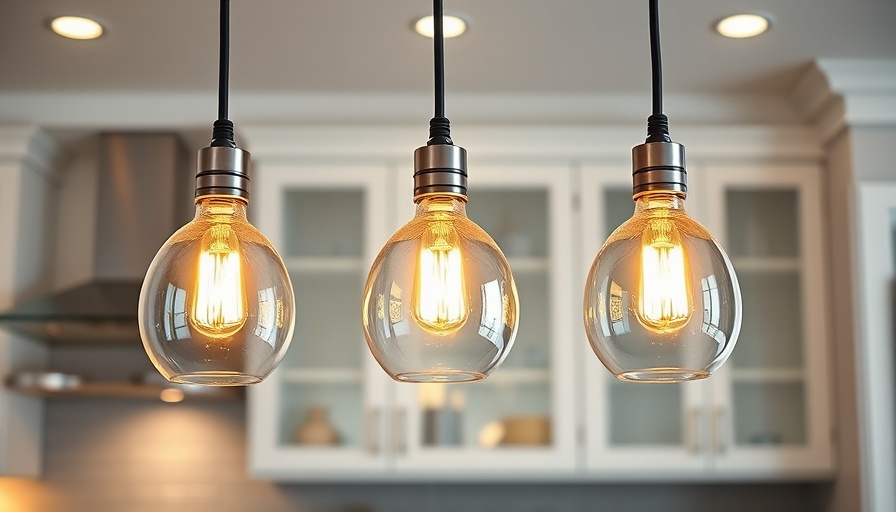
column 770, row 401
column 322, row 409
column 521, row 419
column 645, row 428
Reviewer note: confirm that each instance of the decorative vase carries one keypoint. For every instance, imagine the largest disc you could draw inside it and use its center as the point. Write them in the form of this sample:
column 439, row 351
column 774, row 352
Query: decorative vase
column 317, row 428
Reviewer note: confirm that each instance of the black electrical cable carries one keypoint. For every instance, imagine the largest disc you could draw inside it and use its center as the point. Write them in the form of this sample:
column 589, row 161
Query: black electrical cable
column 656, row 58
column 439, row 127
column 439, row 56
column 657, row 123
column 222, row 134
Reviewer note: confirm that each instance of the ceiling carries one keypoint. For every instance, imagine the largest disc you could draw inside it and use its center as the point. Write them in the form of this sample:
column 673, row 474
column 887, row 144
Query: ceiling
column 363, row 46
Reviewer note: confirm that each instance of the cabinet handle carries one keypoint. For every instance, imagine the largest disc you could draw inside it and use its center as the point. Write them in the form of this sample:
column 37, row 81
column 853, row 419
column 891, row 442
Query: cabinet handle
column 719, row 430
column 372, row 441
column 694, row 431
column 399, row 431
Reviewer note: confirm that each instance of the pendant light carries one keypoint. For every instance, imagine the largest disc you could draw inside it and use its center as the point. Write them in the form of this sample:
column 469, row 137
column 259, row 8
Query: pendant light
column 217, row 306
column 662, row 302
column 440, row 304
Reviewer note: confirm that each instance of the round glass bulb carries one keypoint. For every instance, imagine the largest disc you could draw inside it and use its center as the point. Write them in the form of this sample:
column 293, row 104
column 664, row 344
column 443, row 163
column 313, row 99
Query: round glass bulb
column 440, row 303
column 662, row 302
column 217, row 306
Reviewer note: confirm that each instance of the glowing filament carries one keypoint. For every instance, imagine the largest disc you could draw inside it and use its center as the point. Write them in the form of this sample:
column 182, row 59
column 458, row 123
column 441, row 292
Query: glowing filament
column 441, row 297
column 219, row 308
column 664, row 303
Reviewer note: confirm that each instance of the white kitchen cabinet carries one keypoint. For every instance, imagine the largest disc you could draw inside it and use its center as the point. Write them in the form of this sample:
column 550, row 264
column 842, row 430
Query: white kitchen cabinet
column 770, row 403
column 526, row 209
column 640, row 430
column 327, row 222
column 764, row 413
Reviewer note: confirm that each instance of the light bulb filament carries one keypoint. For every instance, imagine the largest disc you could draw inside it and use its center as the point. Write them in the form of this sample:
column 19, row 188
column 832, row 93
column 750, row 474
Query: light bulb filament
column 664, row 303
column 219, row 306
column 441, row 298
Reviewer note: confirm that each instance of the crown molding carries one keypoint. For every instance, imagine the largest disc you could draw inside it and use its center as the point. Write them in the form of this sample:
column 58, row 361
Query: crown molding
column 513, row 142
column 32, row 147
column 156, row 111
column 836, row 93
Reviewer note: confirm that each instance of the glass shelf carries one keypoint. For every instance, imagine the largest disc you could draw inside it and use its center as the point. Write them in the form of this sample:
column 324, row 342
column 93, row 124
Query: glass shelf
column 321, row 375
column 528, row 265
column 521, row 376
column 325, row 265
column 767, row 264
column 768, row 374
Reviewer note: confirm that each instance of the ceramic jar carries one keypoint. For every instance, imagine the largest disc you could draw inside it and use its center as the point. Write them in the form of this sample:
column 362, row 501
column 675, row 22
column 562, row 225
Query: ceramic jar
column 317, row 428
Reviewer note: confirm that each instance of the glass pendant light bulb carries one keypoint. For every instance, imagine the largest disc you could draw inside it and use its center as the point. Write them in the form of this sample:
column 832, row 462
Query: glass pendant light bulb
column 217, row 306
column 662, row 302
column 440, row 303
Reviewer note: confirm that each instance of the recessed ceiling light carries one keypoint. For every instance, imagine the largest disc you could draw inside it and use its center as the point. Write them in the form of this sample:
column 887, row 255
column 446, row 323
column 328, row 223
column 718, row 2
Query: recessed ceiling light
column 76, row 27
column 452, row 26
column 743, row 25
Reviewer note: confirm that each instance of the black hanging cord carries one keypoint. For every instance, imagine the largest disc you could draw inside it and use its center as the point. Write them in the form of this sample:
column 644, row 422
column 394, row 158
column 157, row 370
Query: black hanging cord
column 657, row 123
column 222, row 134
column 439, row 127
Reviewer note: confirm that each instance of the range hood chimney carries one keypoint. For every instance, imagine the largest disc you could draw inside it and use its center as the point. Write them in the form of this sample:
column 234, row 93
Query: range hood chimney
column 135, row 213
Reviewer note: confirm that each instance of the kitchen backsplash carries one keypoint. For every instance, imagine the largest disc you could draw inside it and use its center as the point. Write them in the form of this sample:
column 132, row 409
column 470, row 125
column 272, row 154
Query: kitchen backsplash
column 141, row 456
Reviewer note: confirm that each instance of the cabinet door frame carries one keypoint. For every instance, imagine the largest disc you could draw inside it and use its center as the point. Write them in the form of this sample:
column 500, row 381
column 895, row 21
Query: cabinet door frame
column 415, row 461
column 814, row 458
column 875, row 270
column 691, row 457
column 267, row 457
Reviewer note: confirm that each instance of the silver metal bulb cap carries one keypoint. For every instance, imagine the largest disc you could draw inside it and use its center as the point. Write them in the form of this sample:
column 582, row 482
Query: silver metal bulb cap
column 657, row 167
column 222, row 171
column 440, row 169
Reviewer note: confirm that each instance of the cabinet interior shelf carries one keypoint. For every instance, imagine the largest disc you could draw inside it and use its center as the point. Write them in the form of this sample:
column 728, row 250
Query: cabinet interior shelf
column 321, row 375
column 506, row 375
column 114, row 389
column 767, row 264
column 336, row 264
column 768, row 374
column 528, row 265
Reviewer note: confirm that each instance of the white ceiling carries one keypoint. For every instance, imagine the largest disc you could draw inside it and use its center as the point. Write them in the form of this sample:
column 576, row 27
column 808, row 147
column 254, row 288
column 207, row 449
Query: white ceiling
column 364, row 46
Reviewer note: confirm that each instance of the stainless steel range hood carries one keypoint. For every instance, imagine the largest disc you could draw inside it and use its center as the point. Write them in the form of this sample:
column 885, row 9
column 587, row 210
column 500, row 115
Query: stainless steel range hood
column 138, row 177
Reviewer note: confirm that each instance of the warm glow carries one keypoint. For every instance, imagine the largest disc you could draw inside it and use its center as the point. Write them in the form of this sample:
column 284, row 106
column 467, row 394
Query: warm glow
column 218, row 303
column 22, row 494
column 75, row 27
column 740, row 26
column 664, row 303
column 172, row 395
column 452, row 26
column 440, row 304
